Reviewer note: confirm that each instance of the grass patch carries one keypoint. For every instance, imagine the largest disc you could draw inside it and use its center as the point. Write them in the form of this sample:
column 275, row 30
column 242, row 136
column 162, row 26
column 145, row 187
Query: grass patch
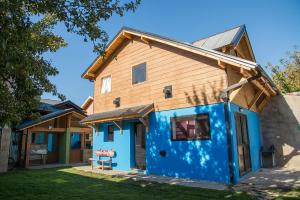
column 69, row 183
column 292, row 194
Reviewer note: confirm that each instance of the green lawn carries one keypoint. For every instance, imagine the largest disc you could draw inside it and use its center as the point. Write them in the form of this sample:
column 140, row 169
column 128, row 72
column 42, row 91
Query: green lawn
column 68, row 183
column 293, row 194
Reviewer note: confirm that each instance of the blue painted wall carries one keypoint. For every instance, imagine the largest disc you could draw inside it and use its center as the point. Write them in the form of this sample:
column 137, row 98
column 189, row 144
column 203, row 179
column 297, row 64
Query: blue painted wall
column 254, row 138
column 122, row 144
column 197, row 159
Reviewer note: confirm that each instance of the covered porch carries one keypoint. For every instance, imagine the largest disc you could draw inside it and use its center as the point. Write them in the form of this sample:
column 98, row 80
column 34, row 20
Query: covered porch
column 56, row 139
column 122, row 131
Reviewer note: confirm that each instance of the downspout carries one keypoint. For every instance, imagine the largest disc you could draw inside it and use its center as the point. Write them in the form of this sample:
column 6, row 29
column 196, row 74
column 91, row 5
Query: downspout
column 225, row 97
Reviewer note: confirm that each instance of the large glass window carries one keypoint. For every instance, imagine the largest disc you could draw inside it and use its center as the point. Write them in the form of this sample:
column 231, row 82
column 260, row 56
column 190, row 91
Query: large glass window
column 139, row 73
column 194, row 127
column 106, row 84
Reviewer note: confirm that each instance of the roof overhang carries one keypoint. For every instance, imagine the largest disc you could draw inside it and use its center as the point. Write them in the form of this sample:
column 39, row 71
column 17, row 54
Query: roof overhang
column 48, row 117
column 119, row 114
column 128, row 34
column 87, row 102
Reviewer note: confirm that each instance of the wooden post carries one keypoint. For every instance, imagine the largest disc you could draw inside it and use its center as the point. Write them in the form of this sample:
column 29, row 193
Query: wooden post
column 82, row 140
column 27, row 154
column 68, row 140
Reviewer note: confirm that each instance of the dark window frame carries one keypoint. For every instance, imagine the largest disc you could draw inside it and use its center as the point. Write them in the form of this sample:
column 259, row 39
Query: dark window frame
column 110, row 133
column 132, row 73
column 188, row 117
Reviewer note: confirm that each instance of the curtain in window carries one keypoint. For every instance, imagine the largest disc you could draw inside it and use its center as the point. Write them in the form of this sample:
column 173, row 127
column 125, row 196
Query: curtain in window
column 106, row 84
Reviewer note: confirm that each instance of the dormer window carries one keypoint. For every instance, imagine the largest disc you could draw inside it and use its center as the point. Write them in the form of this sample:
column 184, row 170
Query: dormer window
column 139, row 73
column 106, row 84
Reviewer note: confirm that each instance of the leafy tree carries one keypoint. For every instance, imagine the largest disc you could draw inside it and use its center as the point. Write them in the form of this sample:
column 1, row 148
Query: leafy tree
column 26, row 33
column 287, row 76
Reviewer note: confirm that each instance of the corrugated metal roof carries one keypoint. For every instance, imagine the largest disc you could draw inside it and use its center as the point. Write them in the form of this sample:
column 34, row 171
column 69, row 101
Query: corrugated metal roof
column 119, row 113
column 50, row 101
column 225, row 38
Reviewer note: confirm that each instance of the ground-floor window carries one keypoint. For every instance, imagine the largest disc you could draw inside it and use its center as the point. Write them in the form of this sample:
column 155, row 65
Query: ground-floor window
column 191, row 127
column 75, row 141
column 110, row 133
column 38, row 138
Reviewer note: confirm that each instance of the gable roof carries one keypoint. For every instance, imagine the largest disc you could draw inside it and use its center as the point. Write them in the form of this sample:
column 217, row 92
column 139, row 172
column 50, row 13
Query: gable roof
column 226, row 38
column 129, row 33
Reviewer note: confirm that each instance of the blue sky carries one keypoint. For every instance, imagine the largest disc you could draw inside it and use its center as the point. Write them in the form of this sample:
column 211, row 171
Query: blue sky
column 273, row 28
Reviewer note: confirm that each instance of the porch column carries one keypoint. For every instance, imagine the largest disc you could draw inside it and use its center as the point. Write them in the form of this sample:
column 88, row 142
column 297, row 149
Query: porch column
column 68, row 146
column 68, row 140
column 27, row 150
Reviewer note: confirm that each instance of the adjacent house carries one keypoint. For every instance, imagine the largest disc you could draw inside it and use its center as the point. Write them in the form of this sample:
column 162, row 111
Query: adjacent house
column 172, row 108
column 88, row 105
column 56, row 136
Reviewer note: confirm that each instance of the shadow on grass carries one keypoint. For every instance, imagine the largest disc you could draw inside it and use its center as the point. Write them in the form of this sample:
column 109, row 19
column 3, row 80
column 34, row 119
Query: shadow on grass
column 69, row 183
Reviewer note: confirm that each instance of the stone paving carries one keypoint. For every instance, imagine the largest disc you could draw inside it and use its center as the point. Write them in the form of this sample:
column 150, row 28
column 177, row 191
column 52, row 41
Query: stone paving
column 261, row 183
column 140, row 176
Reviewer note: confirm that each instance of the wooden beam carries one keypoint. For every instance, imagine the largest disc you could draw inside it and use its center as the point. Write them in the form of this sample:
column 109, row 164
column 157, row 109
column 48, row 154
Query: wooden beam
column 81, row 130
column 241, row 83
column 145, row 122
column 82, row 141
column 69, row 120
column 127, row 35
column 91, row 75
column 263, row 103
column 224, row 49
column 113, row 119
column 43, row 129
column 119, row 125
column 271, row 90
column 221, row 64
column 146, row 40
column 259, row 86
column 254, row 100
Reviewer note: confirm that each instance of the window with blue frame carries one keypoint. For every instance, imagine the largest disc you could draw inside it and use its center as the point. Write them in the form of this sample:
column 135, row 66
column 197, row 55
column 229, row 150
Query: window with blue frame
column 192, row 127
column 110, row 133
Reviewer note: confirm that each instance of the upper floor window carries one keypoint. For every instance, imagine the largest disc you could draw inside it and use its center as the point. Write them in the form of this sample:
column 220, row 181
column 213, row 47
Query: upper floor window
column 139, row 73
column 194, row 127
column 106, row 84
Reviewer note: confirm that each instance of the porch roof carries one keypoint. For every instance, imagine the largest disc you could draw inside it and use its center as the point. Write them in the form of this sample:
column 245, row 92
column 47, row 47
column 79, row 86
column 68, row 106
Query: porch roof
column 119, row 114
column 44, row 118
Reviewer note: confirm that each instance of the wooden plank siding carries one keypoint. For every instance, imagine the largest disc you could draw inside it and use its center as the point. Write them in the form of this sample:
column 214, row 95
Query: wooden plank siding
column 196, row 80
